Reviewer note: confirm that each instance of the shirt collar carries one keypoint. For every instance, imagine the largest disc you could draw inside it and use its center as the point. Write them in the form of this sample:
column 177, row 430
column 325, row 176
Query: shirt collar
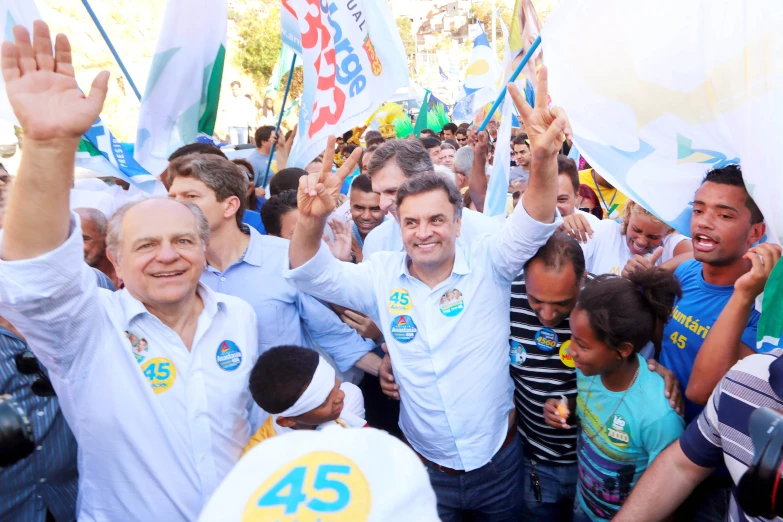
column 460, row 267
column 133, row 307
column 254, row 255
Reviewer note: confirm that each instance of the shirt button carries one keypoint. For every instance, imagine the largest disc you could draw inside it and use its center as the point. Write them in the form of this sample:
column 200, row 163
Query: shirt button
column 203, row 457
column 223, row 279
column 39, row 448
column 40, row 413
column 42, row 480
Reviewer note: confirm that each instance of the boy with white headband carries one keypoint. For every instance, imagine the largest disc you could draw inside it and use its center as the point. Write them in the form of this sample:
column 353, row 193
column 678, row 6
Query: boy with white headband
column 300, row 389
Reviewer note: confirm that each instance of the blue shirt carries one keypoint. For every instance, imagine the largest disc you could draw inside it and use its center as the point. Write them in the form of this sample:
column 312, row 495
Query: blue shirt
column 259, row 162
column 690, row 323
column 47, row 479
column 285, row 315
column 621, row 434
column 448, row 344
column 252, row 218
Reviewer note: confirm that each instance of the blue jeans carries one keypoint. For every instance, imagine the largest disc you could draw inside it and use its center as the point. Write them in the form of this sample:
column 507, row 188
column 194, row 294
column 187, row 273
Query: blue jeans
column 558, row 491
column 489, row 493
column 237, row 135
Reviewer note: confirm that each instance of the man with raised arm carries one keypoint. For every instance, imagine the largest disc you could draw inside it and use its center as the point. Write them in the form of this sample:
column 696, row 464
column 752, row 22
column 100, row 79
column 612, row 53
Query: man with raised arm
column 443, row 308
column 151, row 379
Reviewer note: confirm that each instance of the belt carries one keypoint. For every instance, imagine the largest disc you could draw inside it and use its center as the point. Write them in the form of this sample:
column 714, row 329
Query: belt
column 512, row 432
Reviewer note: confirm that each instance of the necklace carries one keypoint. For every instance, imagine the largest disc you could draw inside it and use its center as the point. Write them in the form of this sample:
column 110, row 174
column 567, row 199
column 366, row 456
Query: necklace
column 595, row 434
column 598, row 188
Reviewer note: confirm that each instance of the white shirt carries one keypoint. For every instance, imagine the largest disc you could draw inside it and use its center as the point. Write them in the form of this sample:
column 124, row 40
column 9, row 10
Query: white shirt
column 607, row 251
column 387, row 237
column 452, row 367
column 143, row 455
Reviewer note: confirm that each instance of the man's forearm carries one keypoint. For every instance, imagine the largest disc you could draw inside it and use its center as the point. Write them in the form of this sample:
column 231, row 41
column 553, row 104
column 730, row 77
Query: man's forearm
column 306, row 240
column 37, row 218
column 369, row 363
column 540, row 197
column 477, row 183
column 721, row 349
column 663, row 487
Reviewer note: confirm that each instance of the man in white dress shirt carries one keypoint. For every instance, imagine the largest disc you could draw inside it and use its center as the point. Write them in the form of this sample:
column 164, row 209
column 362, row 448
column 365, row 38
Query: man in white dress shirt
column 394, row 162
column 443, row 308
column 152, row 379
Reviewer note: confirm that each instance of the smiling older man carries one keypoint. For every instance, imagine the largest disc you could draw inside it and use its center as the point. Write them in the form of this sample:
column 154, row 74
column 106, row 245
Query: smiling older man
column 152, row 379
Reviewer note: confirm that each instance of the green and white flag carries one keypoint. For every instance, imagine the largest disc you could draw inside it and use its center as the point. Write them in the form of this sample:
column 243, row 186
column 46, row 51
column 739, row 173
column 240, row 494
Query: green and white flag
column 771, row 322
column 183, row 87
column 282, row 66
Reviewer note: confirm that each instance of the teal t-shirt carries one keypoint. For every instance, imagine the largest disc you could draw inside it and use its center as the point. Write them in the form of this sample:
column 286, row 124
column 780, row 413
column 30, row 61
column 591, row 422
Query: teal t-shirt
column 624, row 442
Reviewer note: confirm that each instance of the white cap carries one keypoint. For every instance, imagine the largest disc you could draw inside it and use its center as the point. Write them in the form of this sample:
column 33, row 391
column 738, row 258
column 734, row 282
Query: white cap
column 333, row 475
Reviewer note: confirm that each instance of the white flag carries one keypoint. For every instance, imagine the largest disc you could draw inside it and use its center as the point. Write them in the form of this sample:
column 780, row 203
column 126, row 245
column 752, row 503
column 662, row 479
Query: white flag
column 353, row 62
column 183, row 87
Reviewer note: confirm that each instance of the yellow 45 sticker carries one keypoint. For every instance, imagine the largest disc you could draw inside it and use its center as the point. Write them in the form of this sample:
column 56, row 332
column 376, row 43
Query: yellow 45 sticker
column 160, row 372
column 400, row 301
column 319, row 486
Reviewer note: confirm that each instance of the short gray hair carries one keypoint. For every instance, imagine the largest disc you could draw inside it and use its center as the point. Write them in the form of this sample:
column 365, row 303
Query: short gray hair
column 429, row 182
column 114, row 231
column 409, row 155
column 463, row 161
column 96, row 216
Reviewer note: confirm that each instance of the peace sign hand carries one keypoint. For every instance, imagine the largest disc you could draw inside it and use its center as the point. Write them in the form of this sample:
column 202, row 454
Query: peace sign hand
column 545, row 126
column 42, row 88
column 317, row 191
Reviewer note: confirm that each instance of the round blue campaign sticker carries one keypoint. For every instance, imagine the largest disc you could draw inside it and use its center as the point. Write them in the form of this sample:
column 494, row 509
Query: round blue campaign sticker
column 517, row 354
column 452, row 303
column 228, row 356
column 546, row 339
column 403, row 329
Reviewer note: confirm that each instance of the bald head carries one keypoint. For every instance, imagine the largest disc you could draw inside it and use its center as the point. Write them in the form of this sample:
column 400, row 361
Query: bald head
column 148, row 214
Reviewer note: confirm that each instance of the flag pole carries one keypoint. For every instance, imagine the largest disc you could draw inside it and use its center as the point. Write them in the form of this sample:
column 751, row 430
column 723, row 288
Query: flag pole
column 280, row 119
column 518, row 70
column 111, row 47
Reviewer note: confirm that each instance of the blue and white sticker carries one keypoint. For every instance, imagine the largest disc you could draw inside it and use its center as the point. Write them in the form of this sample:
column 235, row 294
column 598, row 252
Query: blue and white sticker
column 403, row 329
column 228, row 356
column 452, row 303
column 546, row 339
column 517, row 354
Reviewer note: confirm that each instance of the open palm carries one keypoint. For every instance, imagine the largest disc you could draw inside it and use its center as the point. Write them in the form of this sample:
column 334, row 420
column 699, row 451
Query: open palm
column 42, row 89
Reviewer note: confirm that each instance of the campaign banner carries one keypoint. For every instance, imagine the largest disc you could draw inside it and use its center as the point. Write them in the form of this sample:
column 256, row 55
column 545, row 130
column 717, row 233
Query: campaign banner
column 656, row 101
column 183, row 87
column 353, row 61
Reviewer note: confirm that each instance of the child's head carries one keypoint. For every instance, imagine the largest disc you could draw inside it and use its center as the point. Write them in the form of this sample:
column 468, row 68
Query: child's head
column 615, row 317
column 298, row 386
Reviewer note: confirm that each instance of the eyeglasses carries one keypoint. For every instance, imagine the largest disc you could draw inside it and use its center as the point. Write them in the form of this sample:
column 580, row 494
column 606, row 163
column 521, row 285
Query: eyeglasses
column 462, row 139
column 27, row 364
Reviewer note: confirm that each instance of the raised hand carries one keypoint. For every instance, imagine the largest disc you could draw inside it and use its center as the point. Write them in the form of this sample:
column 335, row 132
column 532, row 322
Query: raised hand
column 42, row 88
column 544, row 125
column 341, row 245
column 638, row 262
column 317, row 191
column 763, row 259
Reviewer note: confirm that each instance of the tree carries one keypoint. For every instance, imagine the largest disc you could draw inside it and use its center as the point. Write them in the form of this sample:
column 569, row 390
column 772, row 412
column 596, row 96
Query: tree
column 482, row 12
column 406, row 33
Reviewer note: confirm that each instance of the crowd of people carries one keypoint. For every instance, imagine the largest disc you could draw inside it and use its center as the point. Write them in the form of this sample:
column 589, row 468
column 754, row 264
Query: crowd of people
column 573, row 359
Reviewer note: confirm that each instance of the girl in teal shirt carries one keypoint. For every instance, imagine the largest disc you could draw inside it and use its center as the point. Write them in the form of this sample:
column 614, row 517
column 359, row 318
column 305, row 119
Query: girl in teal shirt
column 624, row 418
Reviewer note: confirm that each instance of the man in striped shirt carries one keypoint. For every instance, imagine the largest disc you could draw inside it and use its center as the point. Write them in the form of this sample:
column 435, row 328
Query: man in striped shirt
column 541, row 301
column 719, row 435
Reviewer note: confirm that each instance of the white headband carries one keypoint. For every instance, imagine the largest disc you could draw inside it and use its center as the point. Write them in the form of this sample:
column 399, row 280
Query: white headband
column 317, row 391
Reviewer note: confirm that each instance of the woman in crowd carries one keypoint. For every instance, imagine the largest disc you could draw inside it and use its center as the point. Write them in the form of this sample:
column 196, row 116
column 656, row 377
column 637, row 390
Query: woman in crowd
column 588, row 201
column 640, row 233
column 252, row 202
column 624, row 418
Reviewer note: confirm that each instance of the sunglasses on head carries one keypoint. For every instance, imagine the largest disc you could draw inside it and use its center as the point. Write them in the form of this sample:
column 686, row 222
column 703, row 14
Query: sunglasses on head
column 27, row 364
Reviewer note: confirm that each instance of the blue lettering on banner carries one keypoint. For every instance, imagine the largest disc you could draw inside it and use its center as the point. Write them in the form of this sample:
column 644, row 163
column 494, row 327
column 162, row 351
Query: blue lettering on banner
column 546, row 339
column 229, row 356
column 350, row 67
column 403, row 329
